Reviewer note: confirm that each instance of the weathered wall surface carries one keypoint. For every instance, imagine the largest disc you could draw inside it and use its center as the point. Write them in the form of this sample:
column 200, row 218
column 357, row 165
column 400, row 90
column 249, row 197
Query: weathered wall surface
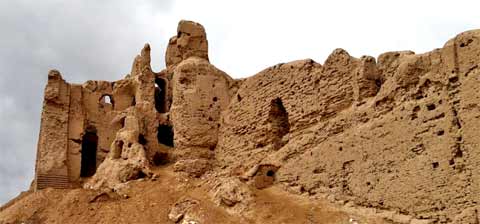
column 50, row 168
column 398, row 134
column 99, row 109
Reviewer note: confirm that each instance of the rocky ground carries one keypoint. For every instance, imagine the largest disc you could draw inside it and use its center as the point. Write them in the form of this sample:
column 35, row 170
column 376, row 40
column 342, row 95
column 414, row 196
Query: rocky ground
column 170, row 198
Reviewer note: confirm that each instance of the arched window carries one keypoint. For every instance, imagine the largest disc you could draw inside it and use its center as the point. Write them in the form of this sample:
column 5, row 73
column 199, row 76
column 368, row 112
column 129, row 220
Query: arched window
column 106, row 100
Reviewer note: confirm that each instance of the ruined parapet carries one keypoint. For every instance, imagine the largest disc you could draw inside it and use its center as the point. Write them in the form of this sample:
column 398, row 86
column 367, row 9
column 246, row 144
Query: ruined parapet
column 51, row 165
column 200, row 92
column 191, row 40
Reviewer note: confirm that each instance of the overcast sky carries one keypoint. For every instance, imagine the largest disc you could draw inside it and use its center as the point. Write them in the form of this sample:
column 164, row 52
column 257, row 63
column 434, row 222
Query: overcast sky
column 91, row 39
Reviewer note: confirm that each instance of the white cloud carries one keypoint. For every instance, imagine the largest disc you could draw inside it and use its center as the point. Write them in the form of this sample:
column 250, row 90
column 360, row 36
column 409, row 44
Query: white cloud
column 247, row 36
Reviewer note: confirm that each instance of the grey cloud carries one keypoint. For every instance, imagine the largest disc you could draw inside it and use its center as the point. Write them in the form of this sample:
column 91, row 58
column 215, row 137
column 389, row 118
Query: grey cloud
column 84, row 40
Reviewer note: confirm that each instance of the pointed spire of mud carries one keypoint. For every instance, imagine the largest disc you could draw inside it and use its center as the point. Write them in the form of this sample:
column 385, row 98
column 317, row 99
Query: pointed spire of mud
column 142, row 61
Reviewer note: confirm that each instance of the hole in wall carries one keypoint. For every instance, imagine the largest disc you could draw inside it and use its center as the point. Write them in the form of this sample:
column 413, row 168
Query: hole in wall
column 134, row 102
column 378, row 83
column 265, row 176
column 141, row 175
column 278, row 119
column 431, row 106
column 184, row 81
column 89, row 154
column 165, row 135
column 141, row 139
column 160, row 95
column 416, row 109
column 212, row 147
column 160, row 159
column 106, row 99
column 259, row 145
column 122, row 122
column 469, row 41
column 270, row 173
column 458, row 153
column 453, row 79
column 451, row 162
column 435, row 165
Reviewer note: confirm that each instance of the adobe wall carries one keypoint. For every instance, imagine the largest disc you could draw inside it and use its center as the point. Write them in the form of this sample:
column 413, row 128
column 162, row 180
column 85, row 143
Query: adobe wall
column 71, row 110
column 50, row 167
column 137, row 125
column 398, row 134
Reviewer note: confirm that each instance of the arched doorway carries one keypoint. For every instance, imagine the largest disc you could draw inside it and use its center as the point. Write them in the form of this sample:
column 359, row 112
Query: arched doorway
column 89, row 154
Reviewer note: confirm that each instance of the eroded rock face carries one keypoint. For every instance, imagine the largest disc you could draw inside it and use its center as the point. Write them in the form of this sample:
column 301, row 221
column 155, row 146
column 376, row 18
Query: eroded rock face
column 397, row 132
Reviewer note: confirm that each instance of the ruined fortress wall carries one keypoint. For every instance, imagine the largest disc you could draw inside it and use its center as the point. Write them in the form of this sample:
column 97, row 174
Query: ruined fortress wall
column 399, row 136
column 200, row 93
column 397, row 133
column 132, row 116
column 50, row 168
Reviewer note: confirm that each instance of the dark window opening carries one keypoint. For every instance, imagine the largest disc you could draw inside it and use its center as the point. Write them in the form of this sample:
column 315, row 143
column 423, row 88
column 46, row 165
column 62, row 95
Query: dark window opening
column 134, row 102
column 89, row 154
column 165, row 135
column 431, row 106
column 378, row 83
column 142, row 140
column 122, row 121
column 160, row 95
column 270, row 173
column 141, row 175
column 278, row 119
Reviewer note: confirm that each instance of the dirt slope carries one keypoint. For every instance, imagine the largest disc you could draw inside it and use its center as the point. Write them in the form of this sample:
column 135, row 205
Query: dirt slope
column 150, row 201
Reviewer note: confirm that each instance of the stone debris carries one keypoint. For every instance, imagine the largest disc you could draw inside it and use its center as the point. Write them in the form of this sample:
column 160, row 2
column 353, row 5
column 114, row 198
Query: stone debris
column 180, row 209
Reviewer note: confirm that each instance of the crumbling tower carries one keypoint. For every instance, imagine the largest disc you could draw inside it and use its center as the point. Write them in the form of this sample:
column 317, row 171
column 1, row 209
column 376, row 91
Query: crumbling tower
column 106, row 133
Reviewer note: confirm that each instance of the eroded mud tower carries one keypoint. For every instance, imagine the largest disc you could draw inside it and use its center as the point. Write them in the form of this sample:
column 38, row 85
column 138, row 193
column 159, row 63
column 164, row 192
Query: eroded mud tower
column 395, row 133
